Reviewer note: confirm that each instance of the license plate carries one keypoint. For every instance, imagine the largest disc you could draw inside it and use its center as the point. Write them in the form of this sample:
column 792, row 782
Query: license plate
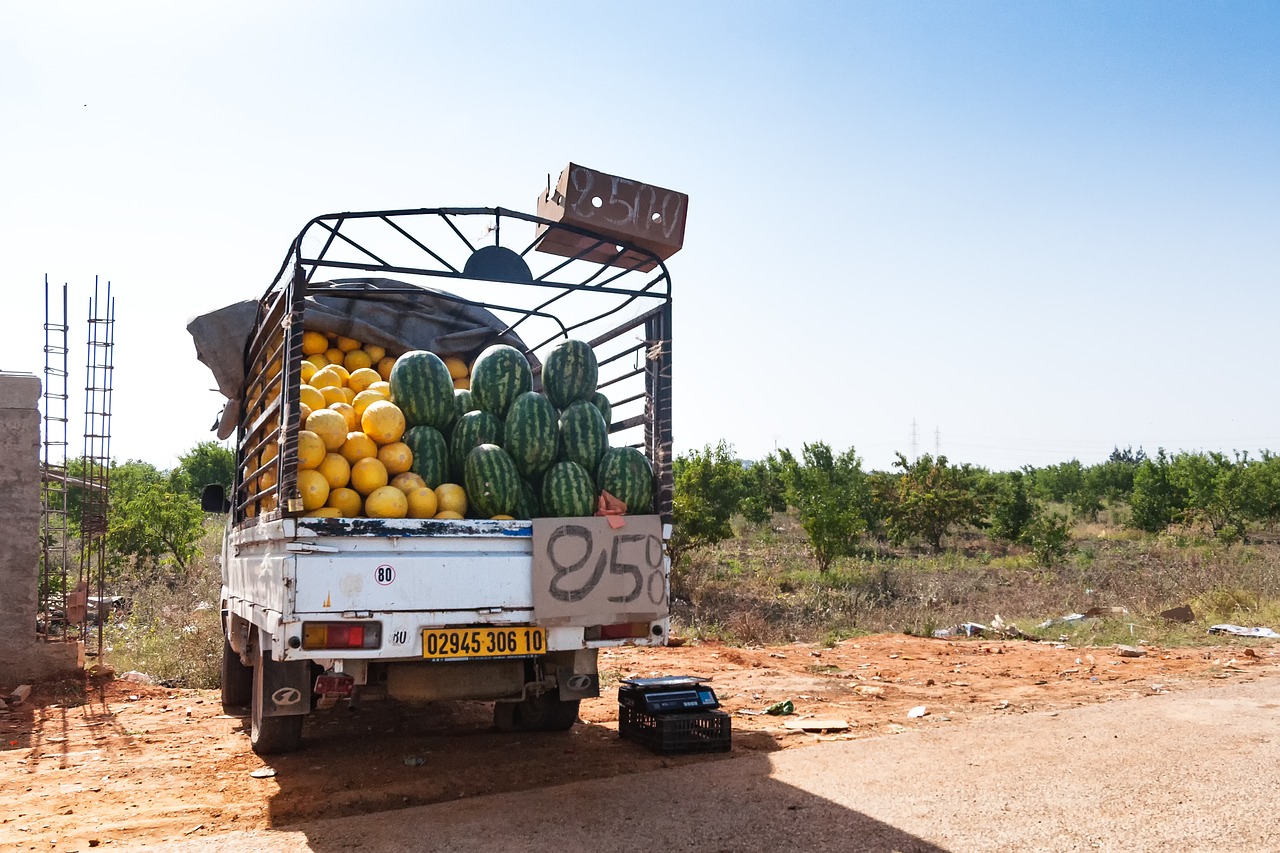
column 455, row 643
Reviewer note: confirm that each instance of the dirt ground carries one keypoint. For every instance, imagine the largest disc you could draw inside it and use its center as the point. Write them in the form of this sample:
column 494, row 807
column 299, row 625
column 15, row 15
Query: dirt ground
column 112, row 764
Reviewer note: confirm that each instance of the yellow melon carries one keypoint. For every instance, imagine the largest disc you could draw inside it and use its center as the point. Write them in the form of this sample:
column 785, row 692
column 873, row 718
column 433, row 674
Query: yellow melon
column 408, row 481
column 314, row 343
column 349, row 412
column 304, row 412
column 314, row 488
column 325, row 512
column 348, row 344
column 357, row 360
column 462, row 384
column 422, row 502
column 384, row 366
column 308, row 369
column 359, row 446
column 450, row 497
column 338, row 368
column 336, row 470
column 270, row 452
column 332, row 394
column 382, row 387
column 327, row 377
column 346, row 501
column 396, row 457
column 331, row 426
column 311, row 397
column 311, row 450
column 457, row 367
column 448, row 513
column 318, row 360
column 386, row 502
column 382, row 421
column 375, row 353
column 368, row 475
column 502, row 518
column 361, row 378
column 362, row 400
column 334, row 355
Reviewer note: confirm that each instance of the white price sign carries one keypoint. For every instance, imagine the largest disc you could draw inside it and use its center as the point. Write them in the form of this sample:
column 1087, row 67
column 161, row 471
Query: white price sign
column 587, row 573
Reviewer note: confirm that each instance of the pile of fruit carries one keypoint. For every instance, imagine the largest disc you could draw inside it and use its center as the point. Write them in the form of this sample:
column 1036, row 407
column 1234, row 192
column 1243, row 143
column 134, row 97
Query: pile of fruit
column 424, row 436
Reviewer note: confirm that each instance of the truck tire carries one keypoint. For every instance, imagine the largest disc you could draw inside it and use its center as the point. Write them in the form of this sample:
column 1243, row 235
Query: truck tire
column 270, row 735
column 237, row 681
column 543, row 712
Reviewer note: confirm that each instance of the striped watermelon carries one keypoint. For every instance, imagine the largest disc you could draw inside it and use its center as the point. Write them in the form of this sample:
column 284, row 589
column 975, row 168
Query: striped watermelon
column 583, row 434
column 625, row 473
column 500, row 374
column 528, row 506
column 430, row 454
column 466, row 402
column 491, row 480
column 606, row 408
column 569, row 373
column 568, row 491
column 531, row 433
column 471, row 430
column 423, row 389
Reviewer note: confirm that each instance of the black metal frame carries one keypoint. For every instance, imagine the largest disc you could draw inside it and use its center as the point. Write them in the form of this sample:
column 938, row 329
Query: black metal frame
column 569, row 297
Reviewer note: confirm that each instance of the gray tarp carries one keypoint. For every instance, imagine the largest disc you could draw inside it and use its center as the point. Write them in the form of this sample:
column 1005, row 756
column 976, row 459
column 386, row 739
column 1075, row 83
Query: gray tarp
column 397, row 322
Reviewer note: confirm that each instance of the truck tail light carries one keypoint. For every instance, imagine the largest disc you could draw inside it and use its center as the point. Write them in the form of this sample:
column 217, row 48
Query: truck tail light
column 341, row 635
column 619, row 631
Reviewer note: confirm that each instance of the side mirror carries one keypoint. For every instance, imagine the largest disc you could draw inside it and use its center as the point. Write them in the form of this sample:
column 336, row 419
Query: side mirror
column 213, row 498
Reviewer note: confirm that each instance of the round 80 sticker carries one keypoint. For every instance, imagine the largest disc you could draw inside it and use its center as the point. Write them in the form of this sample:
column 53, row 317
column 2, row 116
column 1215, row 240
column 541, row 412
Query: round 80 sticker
column 385, row 575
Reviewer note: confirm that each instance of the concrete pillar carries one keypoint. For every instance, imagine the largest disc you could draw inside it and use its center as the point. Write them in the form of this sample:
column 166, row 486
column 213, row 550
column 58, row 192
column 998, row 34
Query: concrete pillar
column 22, row 656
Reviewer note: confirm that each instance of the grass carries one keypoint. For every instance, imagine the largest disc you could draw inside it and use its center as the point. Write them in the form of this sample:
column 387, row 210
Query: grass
column 763, row 587
column 173, row 631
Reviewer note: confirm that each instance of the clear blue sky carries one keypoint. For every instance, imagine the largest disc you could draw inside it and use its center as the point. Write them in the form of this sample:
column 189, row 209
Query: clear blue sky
column 1037, row 230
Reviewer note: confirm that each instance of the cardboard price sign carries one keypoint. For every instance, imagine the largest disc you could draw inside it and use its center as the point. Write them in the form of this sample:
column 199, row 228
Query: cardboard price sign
column 587, row 573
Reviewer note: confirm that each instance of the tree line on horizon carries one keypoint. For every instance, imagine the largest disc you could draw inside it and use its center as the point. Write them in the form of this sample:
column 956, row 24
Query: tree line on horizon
column 841, row 505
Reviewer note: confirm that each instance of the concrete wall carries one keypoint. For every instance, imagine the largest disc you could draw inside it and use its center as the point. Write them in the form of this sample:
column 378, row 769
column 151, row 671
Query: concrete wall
column 22, row 657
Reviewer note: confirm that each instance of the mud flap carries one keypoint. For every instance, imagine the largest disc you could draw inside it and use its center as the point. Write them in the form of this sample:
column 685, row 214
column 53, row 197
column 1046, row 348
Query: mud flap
column 577, row 685
column 286, row 687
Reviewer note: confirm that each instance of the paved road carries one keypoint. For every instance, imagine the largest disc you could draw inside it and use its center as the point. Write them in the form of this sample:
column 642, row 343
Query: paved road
column 1187, row 771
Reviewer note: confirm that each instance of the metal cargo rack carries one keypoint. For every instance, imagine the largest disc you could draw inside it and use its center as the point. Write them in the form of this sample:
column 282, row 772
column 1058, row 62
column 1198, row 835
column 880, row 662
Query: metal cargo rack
column 614, row 295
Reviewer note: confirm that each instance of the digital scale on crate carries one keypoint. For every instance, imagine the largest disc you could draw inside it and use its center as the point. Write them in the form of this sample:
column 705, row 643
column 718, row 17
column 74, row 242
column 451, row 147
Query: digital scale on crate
column 675, row 713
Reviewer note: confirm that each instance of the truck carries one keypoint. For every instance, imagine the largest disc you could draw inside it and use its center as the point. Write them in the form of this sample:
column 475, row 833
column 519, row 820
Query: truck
column 321, row 610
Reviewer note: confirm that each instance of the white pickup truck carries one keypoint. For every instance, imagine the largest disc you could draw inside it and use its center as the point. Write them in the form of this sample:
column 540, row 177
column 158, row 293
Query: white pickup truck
column 423, row 610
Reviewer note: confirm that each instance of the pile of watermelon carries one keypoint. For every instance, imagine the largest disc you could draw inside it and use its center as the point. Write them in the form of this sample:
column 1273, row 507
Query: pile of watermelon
column 519, row 453
column 424, row 436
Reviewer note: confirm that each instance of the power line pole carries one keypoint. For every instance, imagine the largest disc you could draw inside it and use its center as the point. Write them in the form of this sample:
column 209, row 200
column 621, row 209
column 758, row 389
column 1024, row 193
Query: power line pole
column 915, row 441
column 937, row 442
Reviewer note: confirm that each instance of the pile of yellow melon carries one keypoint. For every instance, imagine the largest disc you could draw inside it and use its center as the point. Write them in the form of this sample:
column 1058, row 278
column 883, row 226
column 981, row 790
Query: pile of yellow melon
column 351, row 461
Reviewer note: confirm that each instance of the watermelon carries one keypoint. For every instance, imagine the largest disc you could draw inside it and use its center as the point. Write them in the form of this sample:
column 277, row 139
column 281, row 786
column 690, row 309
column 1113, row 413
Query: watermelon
column 625, row 473
column 531, row 433
column 430, row 454
column 465, row 401
column 606, row 408
column 491, row 480
column 471, row 430
column 527, row 507
column 568, row 491
column 500, row 374
column 583, row 434
column 569, row 373
column 423, row 389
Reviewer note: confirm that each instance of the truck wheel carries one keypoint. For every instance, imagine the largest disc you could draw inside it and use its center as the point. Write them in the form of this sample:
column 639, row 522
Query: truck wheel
column 541, row 713
column 270, row 735
column 237, row 680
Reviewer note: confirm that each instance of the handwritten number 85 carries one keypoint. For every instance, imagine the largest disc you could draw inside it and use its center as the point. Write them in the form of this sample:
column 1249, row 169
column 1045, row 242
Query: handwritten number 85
column 562, row 590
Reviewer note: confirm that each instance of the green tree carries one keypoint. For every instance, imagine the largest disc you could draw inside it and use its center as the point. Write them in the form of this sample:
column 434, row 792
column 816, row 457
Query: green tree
column 155, row 528
column 207, row 462
column 764, row 489
column 707, row 486
column 1155, row 502
column 1214, row 490
column 1012, row 508
column 932, row 497
column 831, row 495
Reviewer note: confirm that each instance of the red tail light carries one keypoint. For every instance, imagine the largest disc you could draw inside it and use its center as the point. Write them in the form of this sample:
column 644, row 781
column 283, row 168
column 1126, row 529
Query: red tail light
column 341, row 635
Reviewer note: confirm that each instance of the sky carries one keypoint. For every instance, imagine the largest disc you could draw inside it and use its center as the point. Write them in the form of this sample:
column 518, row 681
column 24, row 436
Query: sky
column 1013, row 233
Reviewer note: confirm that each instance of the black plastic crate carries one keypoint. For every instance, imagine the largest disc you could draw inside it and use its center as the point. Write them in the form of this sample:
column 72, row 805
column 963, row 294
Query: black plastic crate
column 669, row 734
